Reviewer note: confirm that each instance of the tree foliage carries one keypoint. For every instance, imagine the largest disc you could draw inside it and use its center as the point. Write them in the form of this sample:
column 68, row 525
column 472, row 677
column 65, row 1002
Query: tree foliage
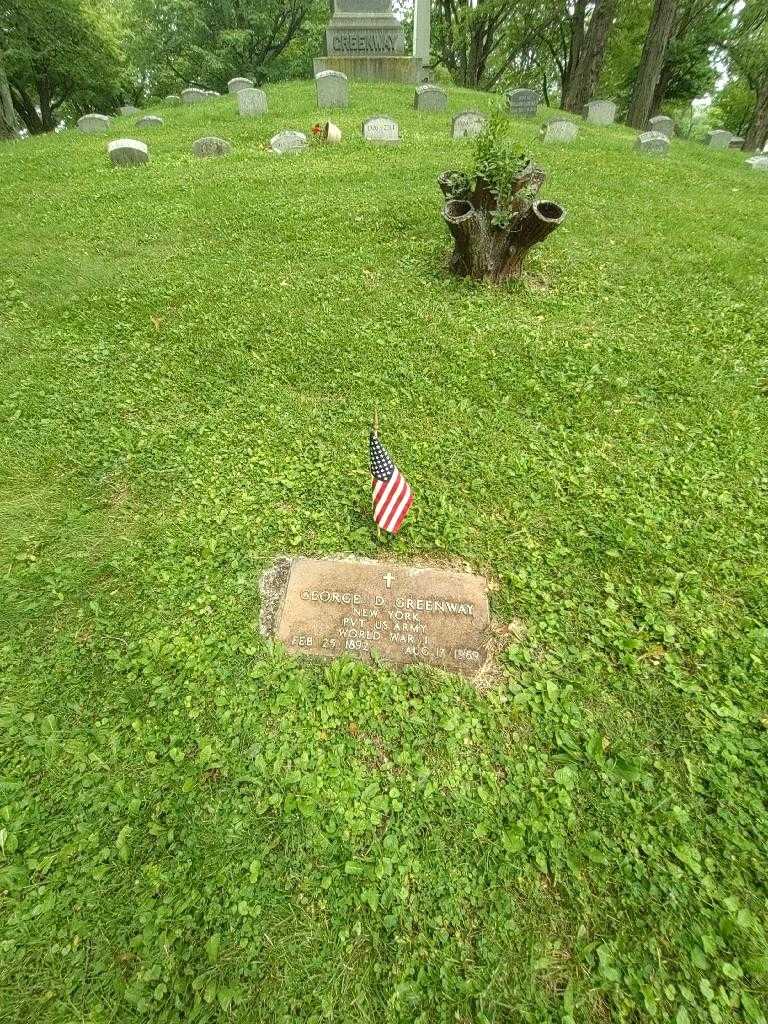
column 57, row 55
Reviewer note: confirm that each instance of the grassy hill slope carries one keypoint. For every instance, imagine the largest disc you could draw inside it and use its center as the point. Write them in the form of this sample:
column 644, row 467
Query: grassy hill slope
column 193, row 825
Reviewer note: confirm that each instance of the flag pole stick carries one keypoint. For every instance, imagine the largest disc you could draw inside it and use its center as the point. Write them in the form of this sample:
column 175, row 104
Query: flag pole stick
column 376, row 434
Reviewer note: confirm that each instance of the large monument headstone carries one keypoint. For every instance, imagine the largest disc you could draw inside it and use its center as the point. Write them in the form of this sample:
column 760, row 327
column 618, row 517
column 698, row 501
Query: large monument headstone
column 364, row 40
column 329, row 607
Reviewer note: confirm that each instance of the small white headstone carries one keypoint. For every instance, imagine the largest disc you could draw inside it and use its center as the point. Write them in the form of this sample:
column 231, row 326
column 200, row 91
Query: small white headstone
column 288, row 142
column 332, row 89
column 192, row 95
column 150, row 121
column 602, row 112
column 468, row 124
column 251, row 102
column 559, row 129
column 236, row 84
column 381, row 129
column 758, row 163
column 652, row 142
column 93, row 124
column 125, row 152
column 430, row 98
column 662, row 124
column 128, row 108
column 211, row 146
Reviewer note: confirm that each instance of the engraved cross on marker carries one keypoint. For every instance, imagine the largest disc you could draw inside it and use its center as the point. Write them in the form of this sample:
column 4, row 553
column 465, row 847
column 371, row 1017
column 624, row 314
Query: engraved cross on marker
column 388, row 577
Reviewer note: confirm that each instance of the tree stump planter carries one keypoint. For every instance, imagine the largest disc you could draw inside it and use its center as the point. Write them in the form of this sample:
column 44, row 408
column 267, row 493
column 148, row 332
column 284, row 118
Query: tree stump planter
column 491, row 243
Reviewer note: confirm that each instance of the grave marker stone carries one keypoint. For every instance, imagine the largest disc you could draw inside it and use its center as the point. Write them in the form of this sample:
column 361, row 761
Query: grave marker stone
column 211, row 146
column 251, row 102
column 430, row 98
column 736, row 142
column 150, row 121
column 559, row 129
column 288, row 142
column 468, row 124
column 127, row 152
column 380, row 128
column 522, row 102
column 652, row 142
column 602, row 112
column 332, row 88
column 128, row 108
column 212, row 92
column 719, row 139
column 93, row 124
column 758, row 163
column 192, row 95
column 173, row 99
column 329, row 607
column 662, row 124
column 236, row 84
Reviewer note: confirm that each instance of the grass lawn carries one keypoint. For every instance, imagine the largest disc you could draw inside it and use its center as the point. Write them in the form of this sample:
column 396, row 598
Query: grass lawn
column 195, row 826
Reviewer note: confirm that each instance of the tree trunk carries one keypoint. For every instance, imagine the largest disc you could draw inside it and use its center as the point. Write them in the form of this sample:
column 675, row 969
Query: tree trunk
column 583, row 79
column 757, row 133
column 7, row 113
column 651, row 62
column 492, row 252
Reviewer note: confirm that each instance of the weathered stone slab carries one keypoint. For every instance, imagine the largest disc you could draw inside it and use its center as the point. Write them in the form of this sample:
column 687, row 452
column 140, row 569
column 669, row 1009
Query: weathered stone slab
column 128, row 108
column 430, row 98
column 192, row 95
column 662, row 124
column 468, row 124
column 173, row 99
column 150, row 121
column 403, row 614
column 126, row 152
column 332, row 88
column 559, row 129
column 522, row 102
column 652, row 142
column 288, row 142
column 236, row 84
column 719, row 139
column 381, row 129
column 93, row 124
column 736, row 142
column 602, row 112
column 212, row 92
column 364, row 28
column 758, row 163
column 251, row 102
column 211, row 146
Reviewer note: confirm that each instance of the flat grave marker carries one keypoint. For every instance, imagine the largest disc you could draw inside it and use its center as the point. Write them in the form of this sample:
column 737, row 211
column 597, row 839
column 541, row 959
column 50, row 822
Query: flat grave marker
column 288, row 142
column 211, row 146
column 328, row 607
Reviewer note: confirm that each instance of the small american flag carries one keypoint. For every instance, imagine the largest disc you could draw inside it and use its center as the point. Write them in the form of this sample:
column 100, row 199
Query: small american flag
column 391, row 494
